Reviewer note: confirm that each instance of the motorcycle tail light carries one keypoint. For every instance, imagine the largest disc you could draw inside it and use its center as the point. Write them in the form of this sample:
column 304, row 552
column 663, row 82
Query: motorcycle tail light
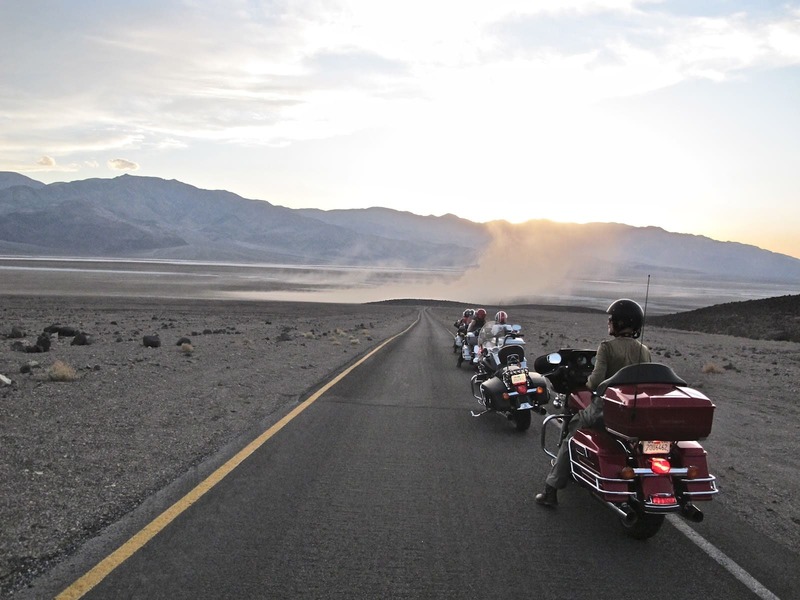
column 522, row 388
column 627, row 473
column 660, row 466
column 663, row 500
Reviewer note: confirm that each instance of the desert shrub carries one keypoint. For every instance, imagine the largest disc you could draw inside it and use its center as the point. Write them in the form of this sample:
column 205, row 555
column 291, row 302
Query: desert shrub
column 354, row 341
column 187, row 348
column 712, row 368
column 309, row 335
column 61, row 371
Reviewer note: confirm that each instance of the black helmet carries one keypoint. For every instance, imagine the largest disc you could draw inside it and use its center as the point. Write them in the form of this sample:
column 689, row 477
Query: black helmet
column 469, row 312
column 626, row 314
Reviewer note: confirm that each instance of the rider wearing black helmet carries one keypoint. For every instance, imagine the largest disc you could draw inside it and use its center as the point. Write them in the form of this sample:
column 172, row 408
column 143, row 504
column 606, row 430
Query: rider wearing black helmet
column 625, row 322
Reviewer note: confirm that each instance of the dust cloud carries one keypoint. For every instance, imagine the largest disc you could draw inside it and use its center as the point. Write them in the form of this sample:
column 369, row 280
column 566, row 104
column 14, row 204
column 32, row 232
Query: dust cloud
column 522, row 264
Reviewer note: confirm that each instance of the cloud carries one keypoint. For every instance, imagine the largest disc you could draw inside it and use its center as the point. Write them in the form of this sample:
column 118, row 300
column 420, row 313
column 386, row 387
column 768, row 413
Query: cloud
column 45, row 164
column 120, row 164
column 272, row 74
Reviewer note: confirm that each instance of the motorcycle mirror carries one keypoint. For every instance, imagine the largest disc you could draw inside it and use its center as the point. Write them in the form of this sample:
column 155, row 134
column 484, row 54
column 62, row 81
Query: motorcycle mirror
column 554, row 358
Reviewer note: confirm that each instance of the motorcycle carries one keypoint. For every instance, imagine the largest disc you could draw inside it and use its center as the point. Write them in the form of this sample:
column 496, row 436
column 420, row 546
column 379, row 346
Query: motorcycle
column 503, row 383
column 490, row 335
column 469, row 349
column 646, row 462
column 491, row 340
column 459, row 337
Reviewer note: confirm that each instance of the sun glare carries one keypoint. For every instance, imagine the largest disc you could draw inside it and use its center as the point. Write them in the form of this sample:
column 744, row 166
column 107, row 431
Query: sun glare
column 570, row 164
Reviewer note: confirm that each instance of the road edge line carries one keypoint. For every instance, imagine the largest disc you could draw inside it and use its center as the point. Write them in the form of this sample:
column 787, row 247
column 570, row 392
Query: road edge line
column 723, row 559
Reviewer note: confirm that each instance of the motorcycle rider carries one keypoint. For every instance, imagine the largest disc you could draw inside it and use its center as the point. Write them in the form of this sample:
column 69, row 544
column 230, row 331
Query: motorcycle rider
column 625, row 322
column 475, row 326
column 465, row 319
column 478, row 321
column 501, row 326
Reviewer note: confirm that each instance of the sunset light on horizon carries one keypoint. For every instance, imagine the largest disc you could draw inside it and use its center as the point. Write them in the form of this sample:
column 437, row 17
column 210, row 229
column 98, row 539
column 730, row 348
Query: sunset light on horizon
column 674, row 114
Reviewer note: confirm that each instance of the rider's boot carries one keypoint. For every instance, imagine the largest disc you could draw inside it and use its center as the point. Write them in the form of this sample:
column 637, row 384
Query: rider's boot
column 549, row 497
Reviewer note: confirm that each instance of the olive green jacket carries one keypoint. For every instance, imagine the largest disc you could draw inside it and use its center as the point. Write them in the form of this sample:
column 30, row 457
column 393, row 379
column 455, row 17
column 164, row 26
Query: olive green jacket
column 614, row 354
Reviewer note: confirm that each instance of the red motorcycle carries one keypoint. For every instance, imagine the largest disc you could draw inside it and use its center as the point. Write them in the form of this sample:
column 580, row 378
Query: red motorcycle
column 647, row 462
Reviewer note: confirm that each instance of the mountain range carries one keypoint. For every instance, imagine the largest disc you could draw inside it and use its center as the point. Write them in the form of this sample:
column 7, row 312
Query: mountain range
column 152, row 218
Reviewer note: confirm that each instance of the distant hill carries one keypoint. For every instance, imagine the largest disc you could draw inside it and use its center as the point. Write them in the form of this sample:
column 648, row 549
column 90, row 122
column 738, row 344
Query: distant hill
column 768, row 319
column 145, row 217
column 400, row 225
column 152, row 218
column 9, row 179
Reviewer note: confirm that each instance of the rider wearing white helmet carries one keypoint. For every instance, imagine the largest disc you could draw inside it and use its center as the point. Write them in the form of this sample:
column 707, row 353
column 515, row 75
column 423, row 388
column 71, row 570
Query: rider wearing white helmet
column 465, row 319
column 501, row 326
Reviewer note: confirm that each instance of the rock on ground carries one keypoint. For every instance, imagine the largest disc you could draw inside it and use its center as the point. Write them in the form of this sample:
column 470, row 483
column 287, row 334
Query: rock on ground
column 78, row 453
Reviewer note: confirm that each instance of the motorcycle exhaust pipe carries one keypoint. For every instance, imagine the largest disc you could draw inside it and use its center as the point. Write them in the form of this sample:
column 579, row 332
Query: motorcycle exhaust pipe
column 624, row 511
column 691, row 512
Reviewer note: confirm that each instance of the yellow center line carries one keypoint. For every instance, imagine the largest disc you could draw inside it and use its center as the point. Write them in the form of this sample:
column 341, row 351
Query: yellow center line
column 100, row 571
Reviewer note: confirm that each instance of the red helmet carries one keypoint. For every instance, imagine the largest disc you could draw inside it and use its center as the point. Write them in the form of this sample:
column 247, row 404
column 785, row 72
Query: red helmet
column 480, row 313
column 501, row 317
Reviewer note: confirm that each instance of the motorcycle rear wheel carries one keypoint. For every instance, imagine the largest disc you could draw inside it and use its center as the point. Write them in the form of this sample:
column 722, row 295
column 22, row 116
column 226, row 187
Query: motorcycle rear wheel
column 645, row 526
column 522, row 420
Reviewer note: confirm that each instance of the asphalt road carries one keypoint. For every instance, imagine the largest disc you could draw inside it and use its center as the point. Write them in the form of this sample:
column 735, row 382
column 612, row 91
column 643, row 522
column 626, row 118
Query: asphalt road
column 387, row 487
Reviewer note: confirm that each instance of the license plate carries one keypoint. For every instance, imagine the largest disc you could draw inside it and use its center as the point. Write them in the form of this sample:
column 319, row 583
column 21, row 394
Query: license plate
column 518, row 378
column 655, row 447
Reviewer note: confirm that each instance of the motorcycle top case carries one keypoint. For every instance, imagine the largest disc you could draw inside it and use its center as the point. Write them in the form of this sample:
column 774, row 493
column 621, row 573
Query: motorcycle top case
column 657, row 411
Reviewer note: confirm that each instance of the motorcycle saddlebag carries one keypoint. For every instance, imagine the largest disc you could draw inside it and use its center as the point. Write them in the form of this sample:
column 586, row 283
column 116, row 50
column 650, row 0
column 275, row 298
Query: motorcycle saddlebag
column 692, row 454
column 493, row 390
column 596, row 461
column 657, row 411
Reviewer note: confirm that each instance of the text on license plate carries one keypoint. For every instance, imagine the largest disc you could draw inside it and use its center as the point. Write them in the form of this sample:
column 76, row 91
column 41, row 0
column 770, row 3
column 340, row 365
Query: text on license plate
column 518, row 378
column 655, row 447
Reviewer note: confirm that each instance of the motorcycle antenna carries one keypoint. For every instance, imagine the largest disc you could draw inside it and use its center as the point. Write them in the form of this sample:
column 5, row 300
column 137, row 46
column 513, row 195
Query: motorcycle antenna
column 641, row 345
column 644, row 316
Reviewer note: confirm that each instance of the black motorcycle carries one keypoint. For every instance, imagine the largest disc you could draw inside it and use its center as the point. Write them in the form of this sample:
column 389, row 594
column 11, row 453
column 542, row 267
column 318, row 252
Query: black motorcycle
column 510, row 389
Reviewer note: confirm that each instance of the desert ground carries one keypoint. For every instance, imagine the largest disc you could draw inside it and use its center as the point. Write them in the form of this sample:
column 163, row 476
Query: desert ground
column 127, row 420
column 80, row 453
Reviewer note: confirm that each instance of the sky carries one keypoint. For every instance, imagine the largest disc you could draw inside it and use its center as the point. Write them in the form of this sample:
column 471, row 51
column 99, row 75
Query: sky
column 677, row 114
